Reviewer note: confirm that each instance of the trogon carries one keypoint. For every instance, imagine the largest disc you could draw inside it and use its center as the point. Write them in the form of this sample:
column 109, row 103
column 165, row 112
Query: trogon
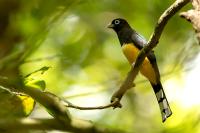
column 131, row 44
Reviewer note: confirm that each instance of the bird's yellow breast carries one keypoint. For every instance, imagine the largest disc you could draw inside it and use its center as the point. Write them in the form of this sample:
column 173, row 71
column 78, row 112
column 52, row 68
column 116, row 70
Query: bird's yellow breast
column 131, row 52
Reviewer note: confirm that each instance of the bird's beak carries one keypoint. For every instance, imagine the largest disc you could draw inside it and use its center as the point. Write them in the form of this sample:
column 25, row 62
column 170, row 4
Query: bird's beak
column 110, row 25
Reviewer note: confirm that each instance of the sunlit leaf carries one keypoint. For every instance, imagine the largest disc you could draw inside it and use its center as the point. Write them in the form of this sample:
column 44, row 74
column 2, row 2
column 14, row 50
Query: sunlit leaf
column 39, row 84
column 15, row 104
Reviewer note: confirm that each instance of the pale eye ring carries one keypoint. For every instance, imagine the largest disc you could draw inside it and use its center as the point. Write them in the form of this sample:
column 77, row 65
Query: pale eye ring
column 117, row 21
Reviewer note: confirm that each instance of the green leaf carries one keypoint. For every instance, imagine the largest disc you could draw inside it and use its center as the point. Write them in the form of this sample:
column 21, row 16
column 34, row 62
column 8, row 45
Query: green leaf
column 14, row 104
column 39, row 84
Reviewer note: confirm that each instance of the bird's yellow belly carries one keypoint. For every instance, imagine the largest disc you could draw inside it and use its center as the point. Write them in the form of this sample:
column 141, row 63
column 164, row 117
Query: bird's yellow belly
column 131, row 53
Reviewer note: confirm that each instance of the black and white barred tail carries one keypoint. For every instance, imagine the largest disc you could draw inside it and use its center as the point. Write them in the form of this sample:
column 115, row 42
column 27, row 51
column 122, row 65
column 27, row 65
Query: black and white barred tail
column 162, row 101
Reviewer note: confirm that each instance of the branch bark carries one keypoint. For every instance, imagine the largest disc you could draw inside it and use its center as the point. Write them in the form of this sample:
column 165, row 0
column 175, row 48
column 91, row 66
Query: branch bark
column 193, row 16
column 153, row 41
column 76, row 125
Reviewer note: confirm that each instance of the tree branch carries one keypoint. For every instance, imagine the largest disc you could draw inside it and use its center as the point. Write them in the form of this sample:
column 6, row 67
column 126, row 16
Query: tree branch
column 58, row 108
column 153, row 41
column 77, row 125
column 51, row 102
column 193, row 16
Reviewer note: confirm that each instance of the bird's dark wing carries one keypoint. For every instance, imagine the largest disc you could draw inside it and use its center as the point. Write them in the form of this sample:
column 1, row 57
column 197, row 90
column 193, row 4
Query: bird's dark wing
column 152, row 58
column 140, row 42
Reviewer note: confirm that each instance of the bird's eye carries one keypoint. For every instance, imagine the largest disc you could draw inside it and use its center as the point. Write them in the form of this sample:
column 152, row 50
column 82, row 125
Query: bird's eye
column 117, row 21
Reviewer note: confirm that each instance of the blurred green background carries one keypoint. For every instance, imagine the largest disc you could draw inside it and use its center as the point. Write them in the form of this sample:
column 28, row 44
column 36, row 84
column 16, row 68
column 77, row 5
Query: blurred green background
column 87, row 65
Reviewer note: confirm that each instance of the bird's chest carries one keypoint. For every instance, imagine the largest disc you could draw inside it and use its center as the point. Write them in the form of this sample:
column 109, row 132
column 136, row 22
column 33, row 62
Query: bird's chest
column 131, row 52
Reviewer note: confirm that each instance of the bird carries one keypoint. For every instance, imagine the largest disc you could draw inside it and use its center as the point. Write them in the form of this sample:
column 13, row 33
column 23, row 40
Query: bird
column 131, row 43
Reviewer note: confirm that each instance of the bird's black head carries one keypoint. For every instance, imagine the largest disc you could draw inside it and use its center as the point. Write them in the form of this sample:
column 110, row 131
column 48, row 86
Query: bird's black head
column 118, row 24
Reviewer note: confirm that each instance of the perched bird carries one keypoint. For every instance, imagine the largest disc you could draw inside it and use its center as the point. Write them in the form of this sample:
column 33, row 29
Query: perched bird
column 131, row 44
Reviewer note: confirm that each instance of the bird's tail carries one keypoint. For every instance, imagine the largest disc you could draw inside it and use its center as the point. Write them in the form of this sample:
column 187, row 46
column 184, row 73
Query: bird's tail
column 162, row 101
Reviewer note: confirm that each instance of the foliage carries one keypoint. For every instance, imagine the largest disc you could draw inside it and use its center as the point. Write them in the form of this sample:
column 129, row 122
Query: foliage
column 86, row 63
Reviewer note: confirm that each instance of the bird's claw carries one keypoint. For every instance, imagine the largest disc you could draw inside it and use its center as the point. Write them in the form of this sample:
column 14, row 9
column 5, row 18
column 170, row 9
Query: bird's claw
column 133, row 64
column 117, row 102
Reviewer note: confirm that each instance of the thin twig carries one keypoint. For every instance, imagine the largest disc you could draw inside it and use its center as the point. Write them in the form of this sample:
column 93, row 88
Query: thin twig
column 112, row 104
column 153, row 41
